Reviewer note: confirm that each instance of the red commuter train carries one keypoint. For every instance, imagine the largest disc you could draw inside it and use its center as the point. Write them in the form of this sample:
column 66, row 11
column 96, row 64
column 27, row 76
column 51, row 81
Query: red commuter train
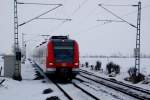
column 58, row 56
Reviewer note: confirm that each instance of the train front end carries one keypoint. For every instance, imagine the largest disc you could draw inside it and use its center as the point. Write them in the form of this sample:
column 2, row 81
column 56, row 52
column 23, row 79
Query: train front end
column 63, row 57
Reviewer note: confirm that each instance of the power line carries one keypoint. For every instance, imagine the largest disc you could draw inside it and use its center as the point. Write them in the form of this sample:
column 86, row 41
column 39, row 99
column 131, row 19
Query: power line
column 76, row 10
column 106, row 20
column 58, row 26
column 95, row 26
column 66, row 19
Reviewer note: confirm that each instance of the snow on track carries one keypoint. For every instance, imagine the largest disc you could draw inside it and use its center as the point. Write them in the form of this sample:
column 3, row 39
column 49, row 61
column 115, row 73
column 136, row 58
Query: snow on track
column 102, row 91
column 119, row 87
column 75, row 93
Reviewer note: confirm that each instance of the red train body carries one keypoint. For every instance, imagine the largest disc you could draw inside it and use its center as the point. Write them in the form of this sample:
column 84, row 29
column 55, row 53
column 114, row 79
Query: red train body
column 59, row 55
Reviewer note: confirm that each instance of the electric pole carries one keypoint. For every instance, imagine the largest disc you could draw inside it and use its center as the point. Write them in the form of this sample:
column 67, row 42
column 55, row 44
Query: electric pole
column 17, row 52
column 138, row 38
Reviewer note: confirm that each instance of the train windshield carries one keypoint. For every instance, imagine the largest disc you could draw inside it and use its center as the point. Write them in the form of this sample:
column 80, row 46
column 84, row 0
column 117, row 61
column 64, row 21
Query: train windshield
column 63, row 53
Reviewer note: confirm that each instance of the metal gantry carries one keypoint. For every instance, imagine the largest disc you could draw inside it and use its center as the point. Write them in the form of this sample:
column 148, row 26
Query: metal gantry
column 17, row 52
column 138, row 42
column 138, row 29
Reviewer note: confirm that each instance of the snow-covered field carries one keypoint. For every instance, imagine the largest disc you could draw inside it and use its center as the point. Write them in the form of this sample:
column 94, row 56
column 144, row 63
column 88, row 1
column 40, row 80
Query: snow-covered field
column 125, row 64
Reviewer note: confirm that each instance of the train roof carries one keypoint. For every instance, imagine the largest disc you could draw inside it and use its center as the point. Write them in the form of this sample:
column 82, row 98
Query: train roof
column 59, row 37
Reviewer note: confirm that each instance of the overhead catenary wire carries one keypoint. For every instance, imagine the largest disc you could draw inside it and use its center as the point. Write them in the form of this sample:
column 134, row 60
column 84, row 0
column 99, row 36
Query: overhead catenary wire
column 80, row 6
column 73, row 13
column 66, row 19
column 58, row 26
column 96, row 26
column 106, row 20
column 91, row 13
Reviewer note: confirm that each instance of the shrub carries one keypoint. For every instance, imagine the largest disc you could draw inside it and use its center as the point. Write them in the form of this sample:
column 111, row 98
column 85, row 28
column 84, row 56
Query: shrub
column 87, row 64
column 98, row 65
column 82, row 65
column 132, row 71
column 111, row 67
column 117, row 69
column 134, row 76
column 92, row 67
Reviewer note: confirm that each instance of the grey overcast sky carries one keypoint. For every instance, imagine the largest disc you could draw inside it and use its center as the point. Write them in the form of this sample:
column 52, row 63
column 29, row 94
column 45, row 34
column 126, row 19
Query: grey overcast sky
column 94, row 37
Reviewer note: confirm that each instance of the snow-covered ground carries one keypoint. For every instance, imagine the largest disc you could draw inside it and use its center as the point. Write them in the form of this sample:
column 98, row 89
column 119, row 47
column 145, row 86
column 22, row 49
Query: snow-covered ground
column 125, row 64
column 27, row 89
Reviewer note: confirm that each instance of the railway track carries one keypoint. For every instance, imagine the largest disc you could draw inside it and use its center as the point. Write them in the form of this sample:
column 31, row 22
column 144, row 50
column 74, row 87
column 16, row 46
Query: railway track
column 127, row 89
column 85, row 91
column 78, row 91
column 64, row 90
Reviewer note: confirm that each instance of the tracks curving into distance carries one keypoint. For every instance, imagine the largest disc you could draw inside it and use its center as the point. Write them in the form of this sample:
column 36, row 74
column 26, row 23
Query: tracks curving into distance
column 130, row 90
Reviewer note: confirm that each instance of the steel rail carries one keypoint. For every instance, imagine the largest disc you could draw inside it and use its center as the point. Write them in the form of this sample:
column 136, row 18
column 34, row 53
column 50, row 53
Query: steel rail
column 119, row 82
column 116, row 87
column 88, row 93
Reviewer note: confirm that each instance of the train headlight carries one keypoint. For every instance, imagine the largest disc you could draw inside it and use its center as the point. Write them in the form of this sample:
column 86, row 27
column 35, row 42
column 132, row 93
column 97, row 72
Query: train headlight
column 76, row 64
column 51, row 64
